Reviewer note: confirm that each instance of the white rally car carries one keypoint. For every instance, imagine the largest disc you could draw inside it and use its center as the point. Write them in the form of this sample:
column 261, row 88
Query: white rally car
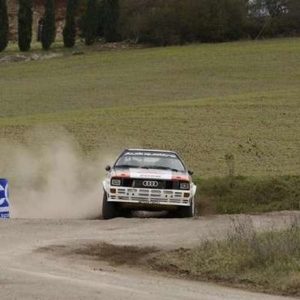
column 148, row 180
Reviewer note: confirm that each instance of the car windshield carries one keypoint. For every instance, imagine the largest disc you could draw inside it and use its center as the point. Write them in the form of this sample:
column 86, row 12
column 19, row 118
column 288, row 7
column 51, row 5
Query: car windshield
column 150, row 160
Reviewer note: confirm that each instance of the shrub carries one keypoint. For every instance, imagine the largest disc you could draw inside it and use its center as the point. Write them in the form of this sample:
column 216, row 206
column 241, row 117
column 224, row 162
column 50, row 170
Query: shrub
column 48, row 32
column 91, row 22
column 179, row 21
column 111, row 12
column 25, row 24
column 3, row 25
column 69, row 32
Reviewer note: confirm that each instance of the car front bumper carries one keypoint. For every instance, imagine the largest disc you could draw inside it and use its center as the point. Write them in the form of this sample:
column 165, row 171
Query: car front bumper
column 149, row 196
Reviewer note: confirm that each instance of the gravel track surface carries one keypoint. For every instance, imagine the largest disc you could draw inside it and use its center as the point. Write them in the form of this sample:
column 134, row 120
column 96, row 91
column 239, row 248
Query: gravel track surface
column 28, row 273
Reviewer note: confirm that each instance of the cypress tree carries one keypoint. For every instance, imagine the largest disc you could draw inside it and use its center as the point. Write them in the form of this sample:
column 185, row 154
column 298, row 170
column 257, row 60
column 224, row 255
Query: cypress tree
column 69, row 32
column 111, row 12
column 91, row 22
column 25, row 24
column 3, row 25
column 48, row 31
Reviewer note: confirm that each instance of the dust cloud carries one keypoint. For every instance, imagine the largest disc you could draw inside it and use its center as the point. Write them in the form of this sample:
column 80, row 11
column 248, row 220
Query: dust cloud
column 50, row 177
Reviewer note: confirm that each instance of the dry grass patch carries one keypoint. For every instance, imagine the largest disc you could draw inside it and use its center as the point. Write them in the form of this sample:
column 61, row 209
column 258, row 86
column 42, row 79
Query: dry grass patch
column 268, row 261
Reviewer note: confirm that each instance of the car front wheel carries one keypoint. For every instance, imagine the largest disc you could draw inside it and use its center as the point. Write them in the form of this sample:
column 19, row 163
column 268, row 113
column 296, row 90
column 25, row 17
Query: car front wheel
column 108, row 208
column 187, row 211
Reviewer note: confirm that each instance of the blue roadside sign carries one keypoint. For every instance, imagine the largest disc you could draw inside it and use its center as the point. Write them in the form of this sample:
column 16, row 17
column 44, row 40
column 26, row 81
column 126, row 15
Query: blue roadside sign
column 4, row 201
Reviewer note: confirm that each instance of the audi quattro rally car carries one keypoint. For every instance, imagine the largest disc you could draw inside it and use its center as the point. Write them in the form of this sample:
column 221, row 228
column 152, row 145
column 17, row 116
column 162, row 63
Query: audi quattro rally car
column 148, row 180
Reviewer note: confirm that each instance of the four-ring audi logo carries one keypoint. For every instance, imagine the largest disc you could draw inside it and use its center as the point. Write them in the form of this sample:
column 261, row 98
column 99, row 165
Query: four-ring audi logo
column 148, row 183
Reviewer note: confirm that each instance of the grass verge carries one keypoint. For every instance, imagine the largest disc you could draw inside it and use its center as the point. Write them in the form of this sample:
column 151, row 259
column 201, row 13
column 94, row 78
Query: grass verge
column 268, row 262
column 232, row 195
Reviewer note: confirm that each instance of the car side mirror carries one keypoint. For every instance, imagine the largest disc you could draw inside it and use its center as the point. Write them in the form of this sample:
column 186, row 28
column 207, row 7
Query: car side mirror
column 108, row 168
column 190, row 172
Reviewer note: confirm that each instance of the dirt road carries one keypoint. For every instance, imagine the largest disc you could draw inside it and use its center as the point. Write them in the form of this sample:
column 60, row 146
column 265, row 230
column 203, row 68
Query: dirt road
column 29, row 274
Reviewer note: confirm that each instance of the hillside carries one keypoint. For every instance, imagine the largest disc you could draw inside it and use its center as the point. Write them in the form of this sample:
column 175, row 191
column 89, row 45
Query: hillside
column 202, row 100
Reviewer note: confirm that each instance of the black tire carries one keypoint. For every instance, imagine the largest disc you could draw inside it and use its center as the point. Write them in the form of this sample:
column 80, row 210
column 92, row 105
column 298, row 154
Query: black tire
column 108, row 208
column 187, row 211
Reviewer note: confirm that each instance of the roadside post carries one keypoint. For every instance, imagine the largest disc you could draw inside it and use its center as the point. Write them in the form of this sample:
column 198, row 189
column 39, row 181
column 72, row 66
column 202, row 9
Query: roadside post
column 4, row 199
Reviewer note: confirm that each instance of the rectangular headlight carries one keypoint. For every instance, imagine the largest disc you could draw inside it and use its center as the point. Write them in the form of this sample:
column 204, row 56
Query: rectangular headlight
column 184, row 185
column 116, row 182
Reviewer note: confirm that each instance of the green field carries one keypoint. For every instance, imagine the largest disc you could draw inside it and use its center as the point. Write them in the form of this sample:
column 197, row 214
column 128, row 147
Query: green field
column 203, row 101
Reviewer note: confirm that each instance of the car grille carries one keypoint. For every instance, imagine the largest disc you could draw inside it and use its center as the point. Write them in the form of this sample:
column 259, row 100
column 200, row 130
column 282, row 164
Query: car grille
column 157, row 184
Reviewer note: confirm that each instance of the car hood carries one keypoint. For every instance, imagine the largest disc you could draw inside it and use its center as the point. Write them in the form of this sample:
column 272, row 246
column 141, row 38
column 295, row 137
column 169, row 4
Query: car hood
column 138, row 173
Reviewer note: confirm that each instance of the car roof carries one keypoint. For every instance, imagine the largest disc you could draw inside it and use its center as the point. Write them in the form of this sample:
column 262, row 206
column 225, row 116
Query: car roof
column 151, row 150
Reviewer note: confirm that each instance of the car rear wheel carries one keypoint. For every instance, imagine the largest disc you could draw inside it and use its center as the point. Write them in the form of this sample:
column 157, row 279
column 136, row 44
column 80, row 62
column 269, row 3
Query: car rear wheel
column 108, row 208
column 187, row 211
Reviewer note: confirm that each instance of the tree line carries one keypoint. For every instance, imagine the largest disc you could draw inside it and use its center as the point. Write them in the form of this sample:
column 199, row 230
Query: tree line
column 95, row 14
column 165, row 22
column 160, row 22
